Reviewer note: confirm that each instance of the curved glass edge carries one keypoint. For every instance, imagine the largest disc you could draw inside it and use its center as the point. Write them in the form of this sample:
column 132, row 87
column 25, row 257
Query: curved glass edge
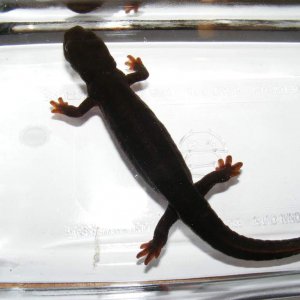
column 278, row 285
column 44, row 16
column 187, row 35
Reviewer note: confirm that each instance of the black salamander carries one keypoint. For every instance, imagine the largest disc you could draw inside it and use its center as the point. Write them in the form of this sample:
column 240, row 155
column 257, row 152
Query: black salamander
column 150, row 148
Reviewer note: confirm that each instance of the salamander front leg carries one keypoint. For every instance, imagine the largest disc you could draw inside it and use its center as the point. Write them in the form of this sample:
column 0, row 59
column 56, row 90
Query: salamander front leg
column 136, row 64
column 132, row 6
column 61, row 107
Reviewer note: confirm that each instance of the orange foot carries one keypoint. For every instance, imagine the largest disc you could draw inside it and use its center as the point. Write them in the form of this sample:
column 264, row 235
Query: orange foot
column 131, row 7
column 133, row 63
column 228, row 168
column 150, row 250
column 60, row 106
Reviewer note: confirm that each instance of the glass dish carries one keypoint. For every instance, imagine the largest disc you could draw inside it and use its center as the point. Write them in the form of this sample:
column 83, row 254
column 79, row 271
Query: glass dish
column 73, row 215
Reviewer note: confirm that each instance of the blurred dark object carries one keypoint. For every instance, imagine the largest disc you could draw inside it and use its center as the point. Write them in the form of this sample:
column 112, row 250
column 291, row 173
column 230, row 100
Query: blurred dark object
column 84, row 7
column 76, row 6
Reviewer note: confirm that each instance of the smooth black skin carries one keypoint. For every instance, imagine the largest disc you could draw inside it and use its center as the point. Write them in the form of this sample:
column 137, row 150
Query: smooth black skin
column 150, row 148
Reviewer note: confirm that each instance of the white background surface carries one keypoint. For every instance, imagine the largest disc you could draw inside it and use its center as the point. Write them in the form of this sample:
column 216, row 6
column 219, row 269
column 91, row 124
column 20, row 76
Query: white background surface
column 70, row 210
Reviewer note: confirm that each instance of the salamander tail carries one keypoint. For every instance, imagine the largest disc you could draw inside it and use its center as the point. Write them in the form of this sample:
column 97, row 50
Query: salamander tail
column 205, row 223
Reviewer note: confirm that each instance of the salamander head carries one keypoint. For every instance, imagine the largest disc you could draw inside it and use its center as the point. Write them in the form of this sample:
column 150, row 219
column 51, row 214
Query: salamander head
column 87, row 53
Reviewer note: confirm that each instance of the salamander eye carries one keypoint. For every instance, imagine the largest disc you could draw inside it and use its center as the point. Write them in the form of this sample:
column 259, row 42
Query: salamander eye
column 66, row 47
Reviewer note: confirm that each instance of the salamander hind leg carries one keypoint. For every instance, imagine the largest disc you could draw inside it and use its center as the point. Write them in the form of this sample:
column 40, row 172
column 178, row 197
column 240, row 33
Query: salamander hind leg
column 153, row 248
column 228, row 170
column 150, row 250
column 223, row 172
